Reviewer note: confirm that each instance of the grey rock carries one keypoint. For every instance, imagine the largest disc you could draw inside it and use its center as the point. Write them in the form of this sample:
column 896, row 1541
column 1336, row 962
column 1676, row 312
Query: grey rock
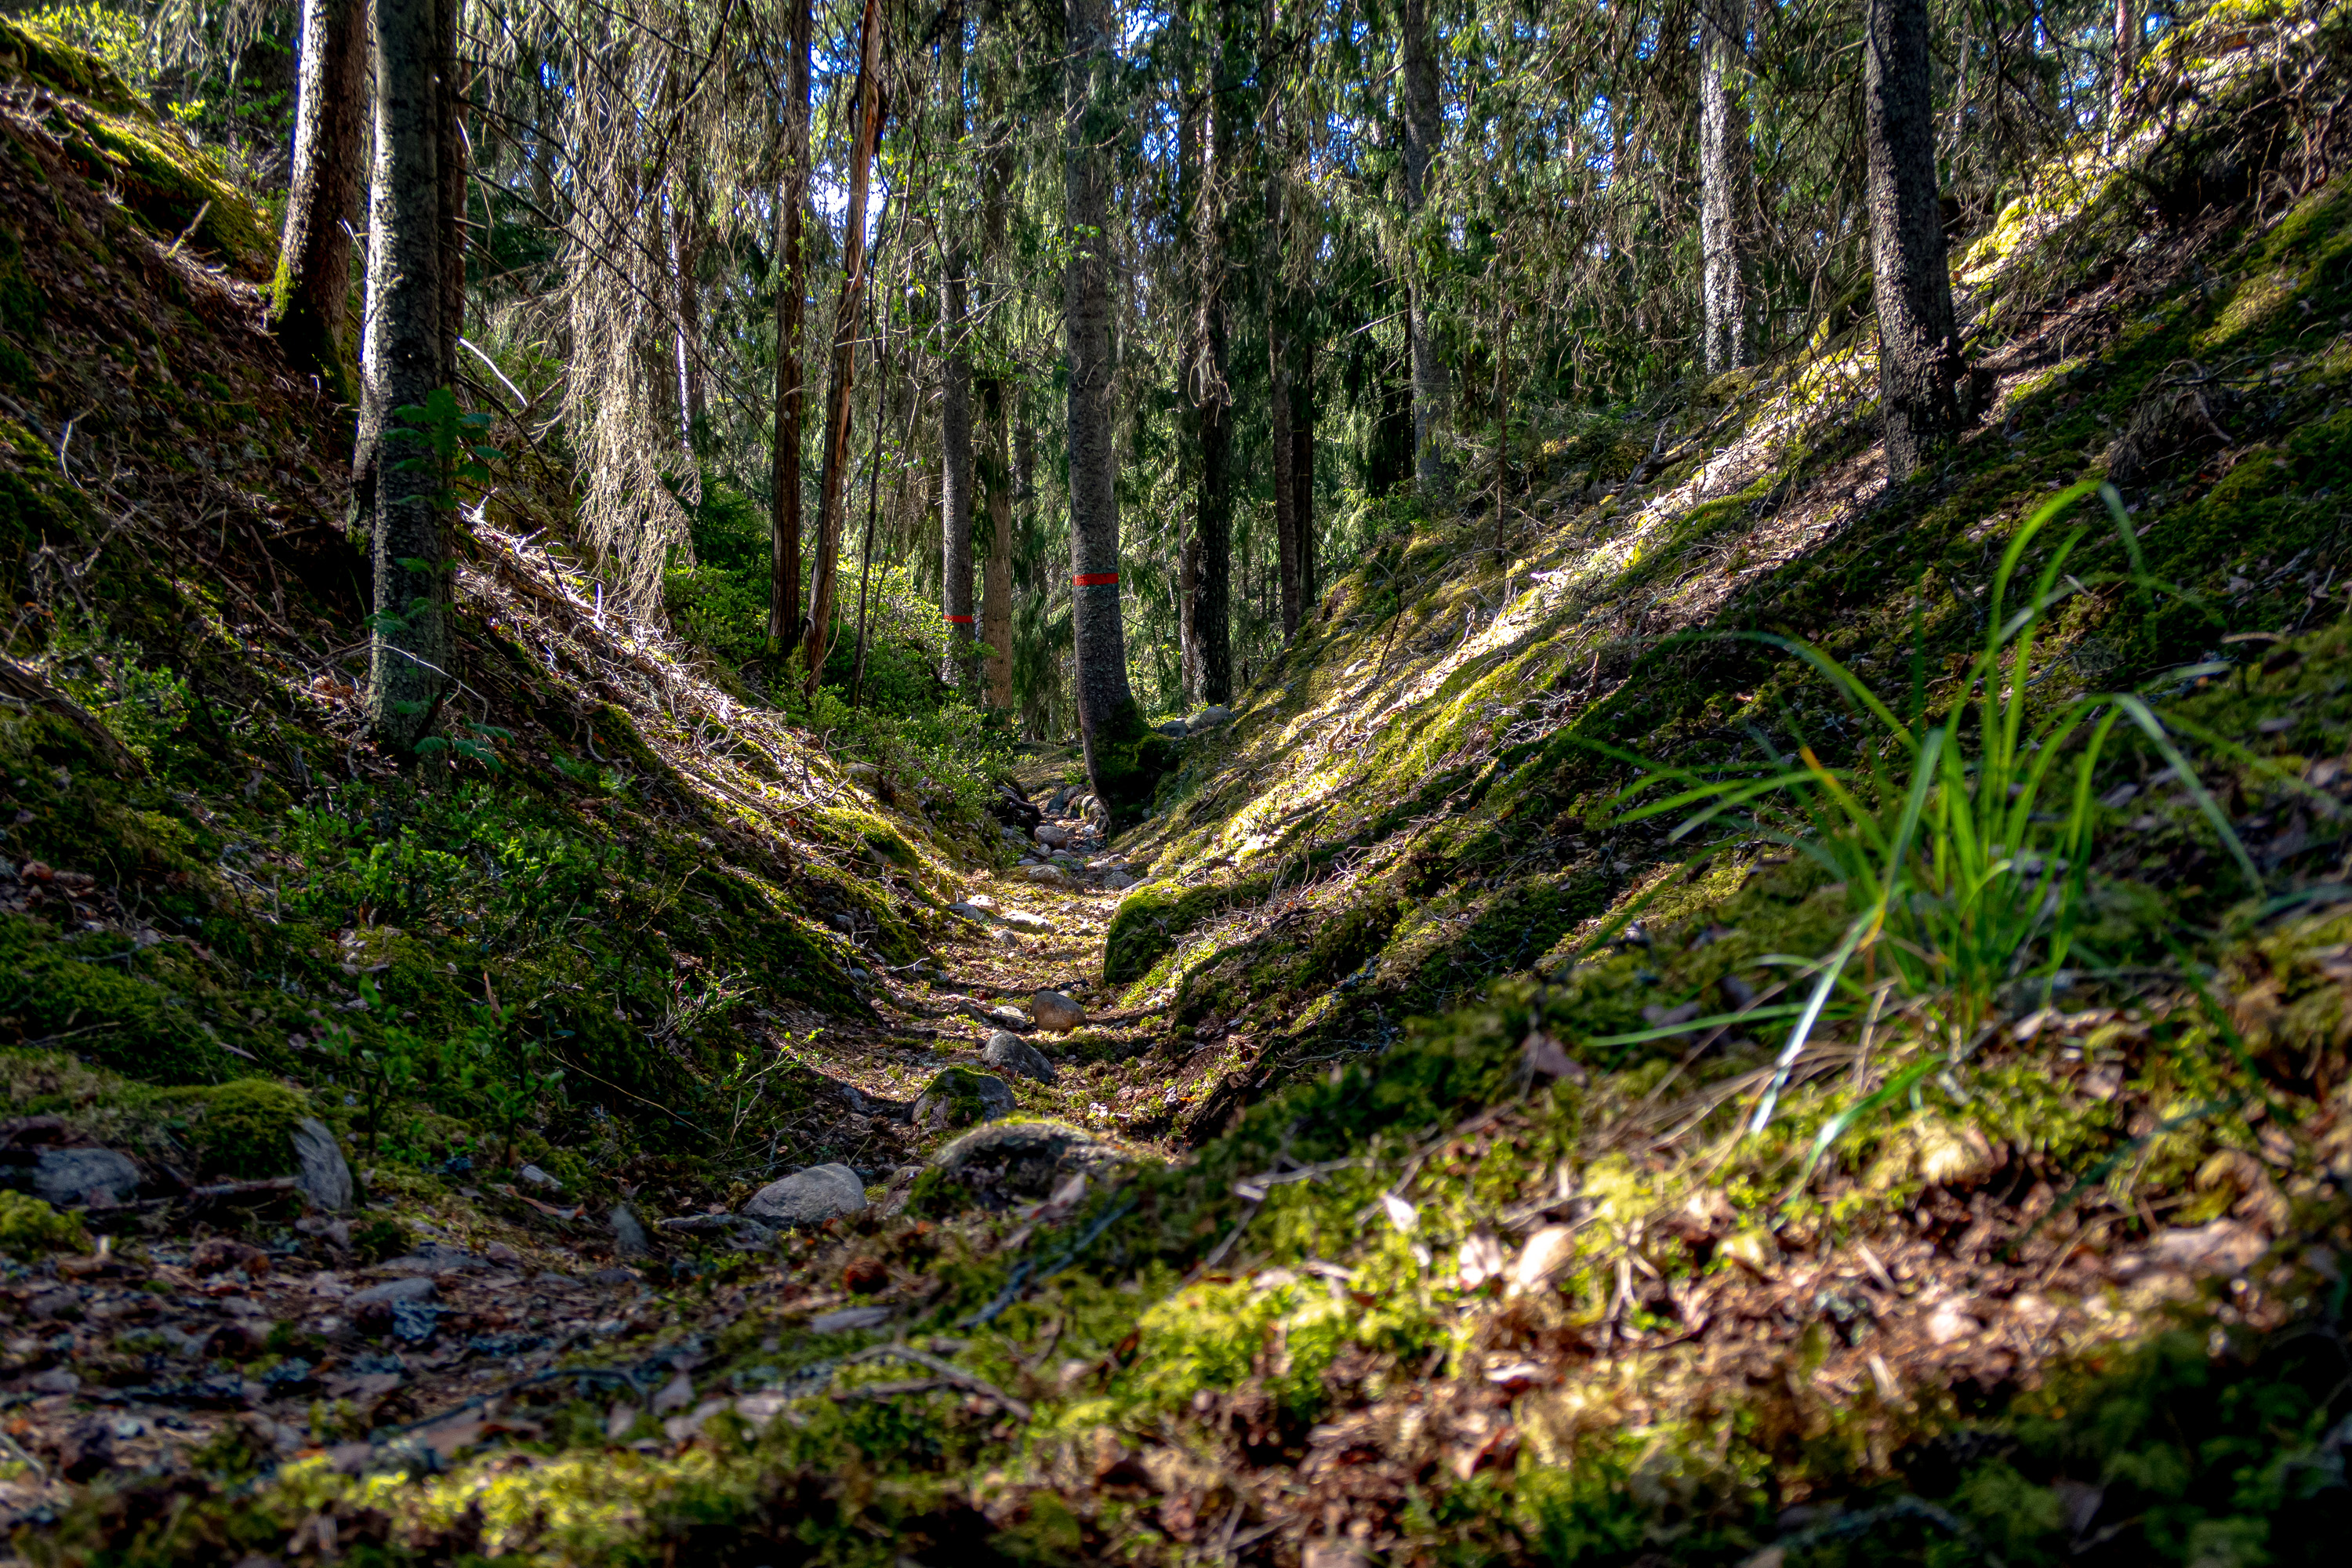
column 958, row 1096
column 539, row 1178
column 1209, row 718
column 1048, row 876
column 1117, row 881
column 321, row 1171
column 628, row 1234
column 1012, row 1162
column 95, row 1176
column 808, row 1197
column 1011, row 1018
column 1173, row 728
column 848, row 1320
column 969, row 912
column 1056, row 1012
column 416, row 1287
column 1014, row 1055
column 1021, row 920
column 435, row 1258
column 1052, row 835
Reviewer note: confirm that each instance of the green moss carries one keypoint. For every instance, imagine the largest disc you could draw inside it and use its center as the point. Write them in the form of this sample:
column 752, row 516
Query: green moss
column 244, row 1128
column 29, row 1228
column 1152, row 918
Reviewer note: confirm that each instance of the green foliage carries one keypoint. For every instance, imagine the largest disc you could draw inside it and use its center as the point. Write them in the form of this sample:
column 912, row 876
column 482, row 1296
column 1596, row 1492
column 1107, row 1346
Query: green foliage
column 29, row 1228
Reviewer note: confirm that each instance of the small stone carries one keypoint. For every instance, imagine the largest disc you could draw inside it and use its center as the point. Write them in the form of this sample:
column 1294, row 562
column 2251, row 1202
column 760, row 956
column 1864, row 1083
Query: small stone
column 1011, row 1162
column 1021, row 920
column 1046, row 876
column 321, row 1171
column 808, row 1197
column 1014, row 1055
column 1208, row 718
column 1173, row 728
column 2224, row 1247
column 499, row 1252
column 674, row 1395
column 849, row 1320
column 1947, row 1325
column 1050, row 836
column 57, row 1380
column 219, row 1254
column 416, row 1287
column 1117, row 881
column 539, row 1178
column 628, row 1234
column 1054, row 1011
column 97, row 1178
column 1544, row 1255
column 960, row 1096
column 1011, row 1018
column 967, row 910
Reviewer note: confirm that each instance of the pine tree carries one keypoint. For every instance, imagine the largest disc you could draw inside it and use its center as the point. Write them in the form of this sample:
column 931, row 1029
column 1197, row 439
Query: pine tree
column 310, row 298
column 1918, row 352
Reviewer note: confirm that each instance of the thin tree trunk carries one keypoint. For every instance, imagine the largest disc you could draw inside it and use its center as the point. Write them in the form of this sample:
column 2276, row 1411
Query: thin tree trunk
column 1109, row 721
column 996, row 472
column 996, row 586
column 835, row 472
column 1422, row 128
column 1213, row 519
column 1724, row 181
column 310, row 298
column 686, row 242
column 2126, row 54
column 1918, row 354
column 784, row 623
column 1302, row 467
column 1286, row 492
column 1193, row 241
column 448, row 104
column 403, row 363
column 955, row 398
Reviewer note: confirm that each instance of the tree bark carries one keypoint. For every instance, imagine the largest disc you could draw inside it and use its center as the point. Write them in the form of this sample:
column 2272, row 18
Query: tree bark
column 403, row 362
column 1302, row 467
column 836, row 473
column 1918, row 352
column 996, row 395
column 687, row 231
column 310, row 298
column 1422, row 128
column 1725, row 180
column 2126, row 54
column 784, row 625
column 955, row 396
column 450, row 159
column 1213, row 517
column 1109, row 721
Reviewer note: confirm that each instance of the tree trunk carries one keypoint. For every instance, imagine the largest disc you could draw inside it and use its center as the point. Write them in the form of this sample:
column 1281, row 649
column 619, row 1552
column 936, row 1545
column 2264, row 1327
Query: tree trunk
column 1302, row 467
column 1918, row 356
column 836, row 473
column 1109, row 721
column 448, row 108
column 1213, row 518
column 955, row 396
column 403, row 363
column 784, row 625
column 1724, row 181
column 1286, row 492
column 996, row 395
column 686, row 242
column 310, row 296
column 2126, row 54
column 1422, row 128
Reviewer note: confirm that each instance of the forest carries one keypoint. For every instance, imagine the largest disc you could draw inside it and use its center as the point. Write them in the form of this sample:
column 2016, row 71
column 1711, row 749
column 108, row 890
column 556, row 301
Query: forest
column 1310, row 782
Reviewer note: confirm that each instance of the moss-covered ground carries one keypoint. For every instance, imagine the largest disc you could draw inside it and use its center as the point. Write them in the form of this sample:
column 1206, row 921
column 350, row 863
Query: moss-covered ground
column 1473, row 1200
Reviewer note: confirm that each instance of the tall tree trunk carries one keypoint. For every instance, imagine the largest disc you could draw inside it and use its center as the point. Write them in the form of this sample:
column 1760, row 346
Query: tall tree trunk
column 404, row 361
column 1724, row 182
column 2126, row 54
column 955, row 394
column 784, row 625
column 1918, row 354
column 1282, row 452
column 1191, row 240
column 310, row 296
column 449, row 108
column 997, row 584
column 1109, row 722
column 836, row 473
column 1213, row 518
column 1302, row 464
column 1423, row 127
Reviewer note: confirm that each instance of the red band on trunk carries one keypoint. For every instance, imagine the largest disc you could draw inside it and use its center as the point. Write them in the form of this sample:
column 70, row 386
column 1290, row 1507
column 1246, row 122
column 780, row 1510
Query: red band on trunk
column 960, row 620
column 1095, row 579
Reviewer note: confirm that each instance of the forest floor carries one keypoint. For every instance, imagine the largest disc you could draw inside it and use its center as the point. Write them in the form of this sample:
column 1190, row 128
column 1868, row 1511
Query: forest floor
column 1430, row 1182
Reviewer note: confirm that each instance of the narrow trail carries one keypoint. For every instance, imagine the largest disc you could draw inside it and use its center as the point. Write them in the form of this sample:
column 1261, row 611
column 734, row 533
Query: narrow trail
column 1118, row 1075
